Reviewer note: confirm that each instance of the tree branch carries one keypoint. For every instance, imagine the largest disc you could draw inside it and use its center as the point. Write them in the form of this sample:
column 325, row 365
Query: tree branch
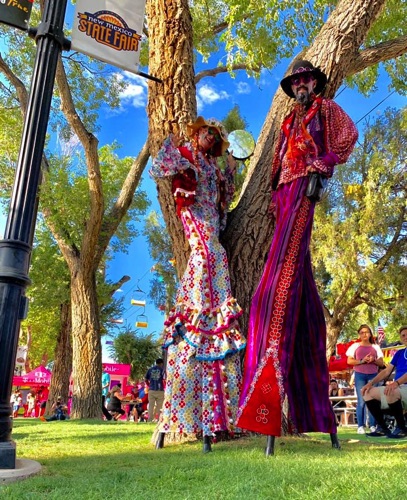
column 118, row 284
column 343, row 293
column 222, row 26
column 69, row 250
column 22, row 94
column 90, row 145
column 395, row 242
column 384, row 51
column 352, row 303
column 221, row 69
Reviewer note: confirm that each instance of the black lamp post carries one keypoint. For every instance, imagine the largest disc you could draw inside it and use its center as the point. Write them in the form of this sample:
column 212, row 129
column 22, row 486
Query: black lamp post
column 15, row 248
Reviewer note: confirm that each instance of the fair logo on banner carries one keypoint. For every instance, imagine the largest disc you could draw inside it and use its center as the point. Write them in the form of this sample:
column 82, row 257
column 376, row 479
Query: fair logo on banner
column 111, row 34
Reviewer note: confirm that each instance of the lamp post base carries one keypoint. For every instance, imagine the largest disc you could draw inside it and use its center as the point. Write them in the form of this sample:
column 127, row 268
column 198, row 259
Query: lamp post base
column 8, row 455
column 24, row 468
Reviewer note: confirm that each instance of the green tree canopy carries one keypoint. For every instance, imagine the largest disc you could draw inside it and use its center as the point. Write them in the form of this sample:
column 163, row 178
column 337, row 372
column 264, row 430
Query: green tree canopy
column 360, row 239
column 139, row 351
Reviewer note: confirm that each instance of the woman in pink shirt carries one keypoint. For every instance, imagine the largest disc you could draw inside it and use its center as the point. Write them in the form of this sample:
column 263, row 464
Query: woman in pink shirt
column 365, row 357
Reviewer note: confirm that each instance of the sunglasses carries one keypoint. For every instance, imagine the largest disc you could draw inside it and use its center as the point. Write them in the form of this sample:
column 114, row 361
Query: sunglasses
column 215, row 133
column 296, row 80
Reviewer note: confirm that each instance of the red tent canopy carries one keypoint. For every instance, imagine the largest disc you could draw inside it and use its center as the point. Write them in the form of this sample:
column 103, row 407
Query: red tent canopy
column 339, row 362
column 35, row 378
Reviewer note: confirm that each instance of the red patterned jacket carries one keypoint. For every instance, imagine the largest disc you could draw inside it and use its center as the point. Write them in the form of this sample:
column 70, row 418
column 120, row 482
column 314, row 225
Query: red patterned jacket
column 333, row 132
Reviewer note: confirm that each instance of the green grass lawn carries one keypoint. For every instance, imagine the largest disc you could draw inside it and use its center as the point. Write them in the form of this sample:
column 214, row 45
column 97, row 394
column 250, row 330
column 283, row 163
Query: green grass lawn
column 116, row 460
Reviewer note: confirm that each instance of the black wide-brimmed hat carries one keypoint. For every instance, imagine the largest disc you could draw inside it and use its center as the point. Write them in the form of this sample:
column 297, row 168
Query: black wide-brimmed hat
column 300, row 67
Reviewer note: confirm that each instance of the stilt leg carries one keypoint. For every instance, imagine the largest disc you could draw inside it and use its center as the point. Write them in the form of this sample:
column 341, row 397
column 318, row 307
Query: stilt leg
column 270, row 446
column 335, row 441
column 160, row 441
column 207, row 444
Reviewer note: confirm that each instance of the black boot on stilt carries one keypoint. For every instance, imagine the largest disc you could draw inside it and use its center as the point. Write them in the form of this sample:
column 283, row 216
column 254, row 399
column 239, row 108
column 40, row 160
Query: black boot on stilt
column 207, row 447
column 160, row 441
column 335, row 441
column 270, row 446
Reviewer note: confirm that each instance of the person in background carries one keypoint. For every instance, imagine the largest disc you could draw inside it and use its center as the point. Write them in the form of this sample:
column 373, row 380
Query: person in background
column 115, row 403
column 17, row 401
column 366, row 357
column 30, row 405
column 59, row 409
column 105, row 390
column 334, row 392
column 201, row 336
column 287, row 331
column 133, row 397
column 155, row 382
column 140, row 408
column 391, row 398
column 42, row 398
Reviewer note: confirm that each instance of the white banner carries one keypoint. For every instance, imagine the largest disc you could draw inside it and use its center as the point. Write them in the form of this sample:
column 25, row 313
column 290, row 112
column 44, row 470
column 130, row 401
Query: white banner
column 21, row 357
column 109, row 30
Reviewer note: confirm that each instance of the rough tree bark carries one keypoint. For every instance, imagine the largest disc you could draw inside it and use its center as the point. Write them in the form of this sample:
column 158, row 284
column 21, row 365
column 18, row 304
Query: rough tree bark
column 172, row 104
column 87, row 349
column 62, row 360
column 27, row 364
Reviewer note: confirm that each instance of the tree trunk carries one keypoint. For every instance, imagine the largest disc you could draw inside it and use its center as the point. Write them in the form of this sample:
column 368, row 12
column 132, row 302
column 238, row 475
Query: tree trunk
column 27, row 363
column 87, row 348
column 248, row 235
column 62, row 369
column 171, row 104
column 333, row 330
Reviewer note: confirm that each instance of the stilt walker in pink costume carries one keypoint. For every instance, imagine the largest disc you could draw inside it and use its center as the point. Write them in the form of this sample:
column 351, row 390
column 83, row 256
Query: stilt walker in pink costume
column 202, row 337
column 285, row 362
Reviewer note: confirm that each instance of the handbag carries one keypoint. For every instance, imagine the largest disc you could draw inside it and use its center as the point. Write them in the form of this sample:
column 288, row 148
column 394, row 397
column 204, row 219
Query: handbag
column 316, row 188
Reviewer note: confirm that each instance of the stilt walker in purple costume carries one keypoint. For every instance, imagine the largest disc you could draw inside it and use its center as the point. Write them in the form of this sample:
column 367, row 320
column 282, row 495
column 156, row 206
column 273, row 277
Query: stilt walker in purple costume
column 202, row 337
column 285, row 360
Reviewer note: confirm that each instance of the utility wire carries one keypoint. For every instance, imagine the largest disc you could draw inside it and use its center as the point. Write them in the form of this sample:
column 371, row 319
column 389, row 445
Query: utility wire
column 368, row 113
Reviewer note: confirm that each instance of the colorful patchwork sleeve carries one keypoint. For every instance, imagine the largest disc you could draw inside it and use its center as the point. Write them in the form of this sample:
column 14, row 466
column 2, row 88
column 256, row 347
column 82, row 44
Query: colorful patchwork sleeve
column 169, row 161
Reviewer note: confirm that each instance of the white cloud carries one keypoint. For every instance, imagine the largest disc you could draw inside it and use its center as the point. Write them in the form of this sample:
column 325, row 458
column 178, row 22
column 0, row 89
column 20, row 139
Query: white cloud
column 243, row 88
column 208, row 95
column 135, row 93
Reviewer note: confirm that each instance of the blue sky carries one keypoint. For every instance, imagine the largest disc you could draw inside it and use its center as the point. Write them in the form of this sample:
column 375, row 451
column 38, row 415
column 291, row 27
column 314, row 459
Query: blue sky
column 215, row 97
